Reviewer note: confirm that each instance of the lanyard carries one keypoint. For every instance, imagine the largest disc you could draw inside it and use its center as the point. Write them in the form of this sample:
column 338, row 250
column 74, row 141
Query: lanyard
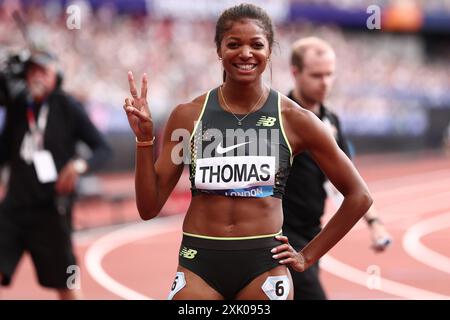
column 37, row 128
column 41, row 121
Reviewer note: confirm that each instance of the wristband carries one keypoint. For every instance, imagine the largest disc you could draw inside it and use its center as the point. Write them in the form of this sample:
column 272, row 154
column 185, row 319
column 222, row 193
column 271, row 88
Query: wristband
column 144, row 143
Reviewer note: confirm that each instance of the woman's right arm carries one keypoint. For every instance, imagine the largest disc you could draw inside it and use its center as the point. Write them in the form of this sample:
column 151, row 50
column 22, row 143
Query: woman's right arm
column 153, row 181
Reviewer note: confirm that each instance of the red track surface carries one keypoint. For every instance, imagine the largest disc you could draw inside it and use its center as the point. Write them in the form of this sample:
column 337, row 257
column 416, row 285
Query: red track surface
column 409, row 190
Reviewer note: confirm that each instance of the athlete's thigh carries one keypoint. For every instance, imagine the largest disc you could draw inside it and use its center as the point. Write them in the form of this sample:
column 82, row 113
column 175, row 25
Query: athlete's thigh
column 275, row 284
column 189, row 286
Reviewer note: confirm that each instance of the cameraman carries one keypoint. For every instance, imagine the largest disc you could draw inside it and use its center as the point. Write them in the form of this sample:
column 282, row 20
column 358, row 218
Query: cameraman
column 42, row 127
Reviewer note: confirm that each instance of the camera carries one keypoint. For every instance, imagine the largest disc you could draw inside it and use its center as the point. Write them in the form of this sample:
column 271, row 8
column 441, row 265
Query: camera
column 12, row 75
column 13, row 72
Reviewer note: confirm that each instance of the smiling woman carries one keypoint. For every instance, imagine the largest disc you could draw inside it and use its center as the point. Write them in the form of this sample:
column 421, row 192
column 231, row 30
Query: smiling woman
column 232, row 246
column 249, row 53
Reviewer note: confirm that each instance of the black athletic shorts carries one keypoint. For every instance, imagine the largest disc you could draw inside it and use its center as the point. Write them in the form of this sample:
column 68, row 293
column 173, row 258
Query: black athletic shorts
column 46, row 235
column 228, row 265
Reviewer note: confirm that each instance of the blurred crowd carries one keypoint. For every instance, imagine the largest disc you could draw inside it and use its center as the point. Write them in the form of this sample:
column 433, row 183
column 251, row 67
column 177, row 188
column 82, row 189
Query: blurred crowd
column 425, row 5
column 384, row 82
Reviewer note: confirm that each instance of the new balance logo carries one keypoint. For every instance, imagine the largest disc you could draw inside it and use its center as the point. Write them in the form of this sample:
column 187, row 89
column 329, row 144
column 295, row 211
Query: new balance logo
column 188, row 253
column 266, row 121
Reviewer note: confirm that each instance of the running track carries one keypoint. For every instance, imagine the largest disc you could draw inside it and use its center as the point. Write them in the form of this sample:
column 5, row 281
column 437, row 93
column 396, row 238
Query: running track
column 411, row 193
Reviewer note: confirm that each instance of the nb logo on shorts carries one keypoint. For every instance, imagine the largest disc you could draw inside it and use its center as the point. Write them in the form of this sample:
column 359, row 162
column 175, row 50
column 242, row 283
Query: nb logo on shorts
column 266, row 121
column 188, row 253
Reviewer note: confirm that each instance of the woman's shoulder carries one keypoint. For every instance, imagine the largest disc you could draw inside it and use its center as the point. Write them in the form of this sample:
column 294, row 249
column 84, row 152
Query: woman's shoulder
column 292, row 111
column 299, row 123
column 190, row 108
column 185, row 114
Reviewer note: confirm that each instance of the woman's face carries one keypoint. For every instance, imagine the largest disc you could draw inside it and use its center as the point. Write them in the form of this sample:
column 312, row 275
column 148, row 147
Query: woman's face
column 244, row 51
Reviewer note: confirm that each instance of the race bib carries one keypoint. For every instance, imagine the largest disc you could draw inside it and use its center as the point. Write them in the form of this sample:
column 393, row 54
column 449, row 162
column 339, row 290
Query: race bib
column 224, row 173
column 276, row 287
column 246, row 176
column 178, row 284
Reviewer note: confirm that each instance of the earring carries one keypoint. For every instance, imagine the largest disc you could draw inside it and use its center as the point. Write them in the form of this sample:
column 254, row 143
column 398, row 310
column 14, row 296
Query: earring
column 220, row 59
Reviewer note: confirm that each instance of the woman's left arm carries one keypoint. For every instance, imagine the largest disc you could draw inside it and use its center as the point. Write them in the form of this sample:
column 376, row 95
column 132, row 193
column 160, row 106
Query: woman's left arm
column 313, row 136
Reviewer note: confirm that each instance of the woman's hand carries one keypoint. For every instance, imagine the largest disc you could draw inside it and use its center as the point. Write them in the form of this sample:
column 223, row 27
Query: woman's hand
column 137, row 110
column 288, row 256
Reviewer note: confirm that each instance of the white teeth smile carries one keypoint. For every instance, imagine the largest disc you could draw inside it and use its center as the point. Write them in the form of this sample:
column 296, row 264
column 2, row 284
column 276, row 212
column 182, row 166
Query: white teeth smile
column 246, row 67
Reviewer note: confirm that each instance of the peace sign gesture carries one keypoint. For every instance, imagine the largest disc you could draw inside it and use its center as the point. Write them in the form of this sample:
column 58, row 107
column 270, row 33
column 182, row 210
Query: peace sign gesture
column 137, row 110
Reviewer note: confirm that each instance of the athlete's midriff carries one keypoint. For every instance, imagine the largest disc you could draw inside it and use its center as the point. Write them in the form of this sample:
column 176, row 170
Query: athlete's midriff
column 219, row 216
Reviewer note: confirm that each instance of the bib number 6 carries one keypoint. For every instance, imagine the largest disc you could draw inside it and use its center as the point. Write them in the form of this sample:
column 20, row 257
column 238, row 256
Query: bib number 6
column 276, row 287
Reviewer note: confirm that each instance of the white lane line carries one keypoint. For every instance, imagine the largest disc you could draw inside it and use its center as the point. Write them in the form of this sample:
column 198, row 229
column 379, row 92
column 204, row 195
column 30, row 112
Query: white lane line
column 342, row 270
column 133, row 233
column 111, row 241
column 126, row 235
column 86, row 237
column 424, row 192
column 357, row 276
column 416, row 249
column 401, row 209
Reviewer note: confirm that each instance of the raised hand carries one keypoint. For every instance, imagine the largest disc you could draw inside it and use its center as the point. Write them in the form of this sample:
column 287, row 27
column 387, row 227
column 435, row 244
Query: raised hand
column 137, row 110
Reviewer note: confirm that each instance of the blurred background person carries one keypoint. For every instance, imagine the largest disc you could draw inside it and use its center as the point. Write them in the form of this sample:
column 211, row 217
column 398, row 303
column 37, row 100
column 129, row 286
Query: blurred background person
column 313, row 68
column 42, row 126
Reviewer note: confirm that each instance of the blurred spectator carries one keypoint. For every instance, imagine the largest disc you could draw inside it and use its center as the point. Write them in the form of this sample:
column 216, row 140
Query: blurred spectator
column 42, row 127
column 389, row 88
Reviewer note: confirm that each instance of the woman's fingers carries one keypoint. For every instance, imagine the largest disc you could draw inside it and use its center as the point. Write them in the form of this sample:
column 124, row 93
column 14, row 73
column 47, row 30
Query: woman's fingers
column 132, row 85
column 136, row 107
column 129, row 102
column 283, row 255
column 283, row 239
column 138, row 113
column 130, row 108
column 138, row 102
column 144, row 87
column 280, row 248
column 288, row 261
column 284, row 246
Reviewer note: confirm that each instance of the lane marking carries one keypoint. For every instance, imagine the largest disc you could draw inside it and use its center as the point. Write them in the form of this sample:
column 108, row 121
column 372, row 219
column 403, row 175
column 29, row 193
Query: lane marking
column 416, row 249
column 123, row 236
column 115, row 239
column 400, row 212
column 132, row 233
column 429, row 204
column 345, row 271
